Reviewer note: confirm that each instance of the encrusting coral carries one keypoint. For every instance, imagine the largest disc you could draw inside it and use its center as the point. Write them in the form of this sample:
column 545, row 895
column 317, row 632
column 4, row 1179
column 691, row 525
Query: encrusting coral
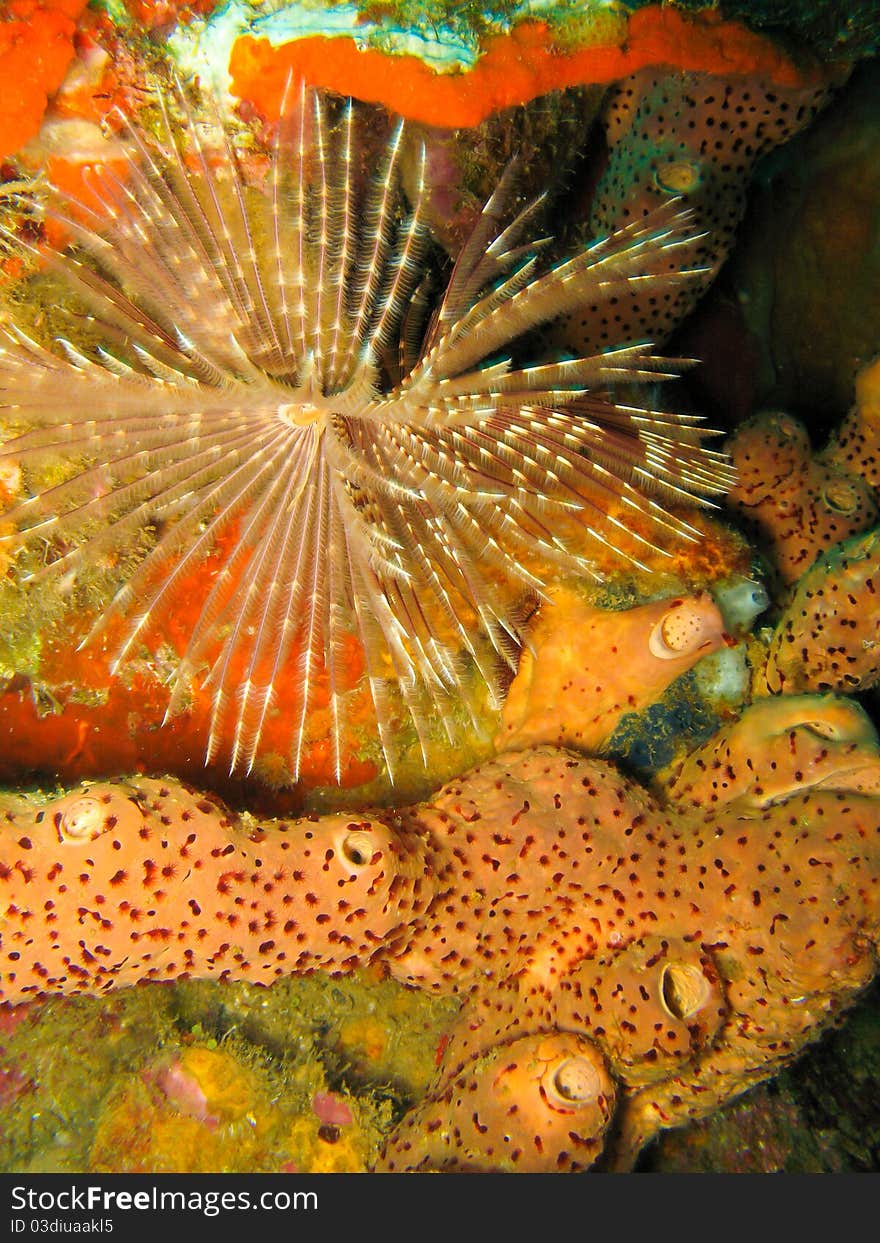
column 619, row 957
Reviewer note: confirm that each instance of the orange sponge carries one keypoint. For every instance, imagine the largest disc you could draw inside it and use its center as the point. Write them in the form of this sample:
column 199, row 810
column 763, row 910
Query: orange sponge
column 36, row 46
column 513, row 68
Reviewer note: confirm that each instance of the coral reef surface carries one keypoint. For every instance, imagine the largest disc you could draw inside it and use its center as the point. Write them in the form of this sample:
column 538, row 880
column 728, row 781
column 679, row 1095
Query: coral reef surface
column 619, row 958
column 627, row 876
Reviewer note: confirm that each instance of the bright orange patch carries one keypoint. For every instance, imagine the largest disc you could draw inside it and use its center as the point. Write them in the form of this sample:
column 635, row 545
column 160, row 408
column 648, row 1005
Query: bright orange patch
column 124, row 732
column 36, row 47
column 89, row 183
column 512, row 69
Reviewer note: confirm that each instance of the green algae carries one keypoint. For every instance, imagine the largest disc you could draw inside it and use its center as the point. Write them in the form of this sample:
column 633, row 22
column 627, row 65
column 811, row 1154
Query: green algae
column 593, row 21
column 64, row 1055
column 371, row 1034
column 77, row 1075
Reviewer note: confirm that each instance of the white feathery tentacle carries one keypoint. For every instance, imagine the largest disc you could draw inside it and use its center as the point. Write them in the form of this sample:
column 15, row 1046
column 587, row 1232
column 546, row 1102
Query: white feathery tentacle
column 239, row 410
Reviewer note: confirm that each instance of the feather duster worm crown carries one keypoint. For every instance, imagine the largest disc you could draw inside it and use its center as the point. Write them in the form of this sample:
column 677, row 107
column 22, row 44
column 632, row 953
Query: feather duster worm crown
column 230, row 406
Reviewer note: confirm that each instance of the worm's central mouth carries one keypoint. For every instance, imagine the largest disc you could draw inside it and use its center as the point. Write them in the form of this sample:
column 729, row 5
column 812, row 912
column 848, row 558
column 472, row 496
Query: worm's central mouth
column 301, row 414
